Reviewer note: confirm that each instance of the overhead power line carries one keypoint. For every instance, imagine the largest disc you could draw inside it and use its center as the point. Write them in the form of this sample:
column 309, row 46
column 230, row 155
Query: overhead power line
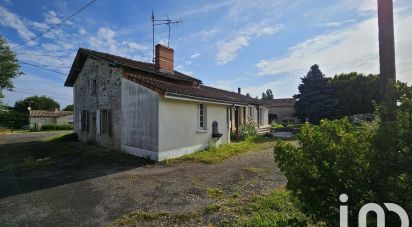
column 55, row 26
column 42, row 67
column 55, row 94
column 33, row 93
column 35, row 54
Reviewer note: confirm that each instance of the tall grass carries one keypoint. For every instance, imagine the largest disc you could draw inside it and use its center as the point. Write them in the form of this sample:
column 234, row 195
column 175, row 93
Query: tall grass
column 215, row 154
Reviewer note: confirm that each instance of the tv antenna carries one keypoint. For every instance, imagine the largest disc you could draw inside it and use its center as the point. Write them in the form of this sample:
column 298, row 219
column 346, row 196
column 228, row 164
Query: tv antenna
column 158, row 22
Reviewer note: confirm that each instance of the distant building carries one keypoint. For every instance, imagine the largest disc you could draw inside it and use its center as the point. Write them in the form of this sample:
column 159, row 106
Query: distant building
column 281, row 110
column 39, row 118
column 151, row 110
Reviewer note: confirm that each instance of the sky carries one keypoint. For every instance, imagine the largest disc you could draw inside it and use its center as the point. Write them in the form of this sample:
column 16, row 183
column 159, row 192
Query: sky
column 254, row 45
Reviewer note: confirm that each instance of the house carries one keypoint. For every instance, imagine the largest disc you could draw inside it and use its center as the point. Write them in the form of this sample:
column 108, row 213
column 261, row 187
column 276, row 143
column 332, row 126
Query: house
column 39, row 118
column 151, row 110
column 281, row 110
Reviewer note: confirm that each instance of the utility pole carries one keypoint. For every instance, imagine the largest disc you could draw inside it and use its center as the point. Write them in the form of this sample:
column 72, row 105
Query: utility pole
column 387, row 77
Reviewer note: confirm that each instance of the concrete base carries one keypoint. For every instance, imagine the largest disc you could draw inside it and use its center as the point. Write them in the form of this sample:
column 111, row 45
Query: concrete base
column 159, row 156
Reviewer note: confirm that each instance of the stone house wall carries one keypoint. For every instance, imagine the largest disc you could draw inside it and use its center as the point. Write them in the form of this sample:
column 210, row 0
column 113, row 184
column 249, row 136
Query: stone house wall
column 107, row 97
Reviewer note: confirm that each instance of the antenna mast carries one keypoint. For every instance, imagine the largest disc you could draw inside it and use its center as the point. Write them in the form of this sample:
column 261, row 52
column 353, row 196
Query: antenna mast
column 157, row 22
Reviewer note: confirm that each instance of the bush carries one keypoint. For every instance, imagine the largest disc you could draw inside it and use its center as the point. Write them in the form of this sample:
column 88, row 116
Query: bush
column 56, row 127
column 371, row 162
column 13, row 120
column 247, row 130
column 274, row 125
column 331, row 160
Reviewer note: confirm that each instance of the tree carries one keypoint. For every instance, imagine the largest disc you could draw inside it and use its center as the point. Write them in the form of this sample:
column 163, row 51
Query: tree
column 69, row 108
column 370, row 162
column 36, row 103
column 268, row 95
column 9, row 67
column 356, row 92
column 316, row 99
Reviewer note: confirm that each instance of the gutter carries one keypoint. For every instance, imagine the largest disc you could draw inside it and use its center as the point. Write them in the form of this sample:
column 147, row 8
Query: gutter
column 172, row 95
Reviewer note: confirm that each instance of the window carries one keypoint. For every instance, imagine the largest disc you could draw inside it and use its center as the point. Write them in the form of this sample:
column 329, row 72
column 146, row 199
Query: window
column 105, row 122
column 94, row 88
column 85, row 120
column 251, row 112
column 202, row 116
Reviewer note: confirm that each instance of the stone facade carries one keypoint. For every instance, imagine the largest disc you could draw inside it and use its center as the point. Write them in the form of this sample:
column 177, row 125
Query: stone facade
column 107, row 96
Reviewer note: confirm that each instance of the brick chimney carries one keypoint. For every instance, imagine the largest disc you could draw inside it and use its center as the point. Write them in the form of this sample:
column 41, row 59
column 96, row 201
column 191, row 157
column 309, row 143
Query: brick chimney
column 164, row 58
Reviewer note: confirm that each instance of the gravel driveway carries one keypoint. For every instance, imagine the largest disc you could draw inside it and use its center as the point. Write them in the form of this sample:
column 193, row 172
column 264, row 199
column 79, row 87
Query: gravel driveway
column 98, row 200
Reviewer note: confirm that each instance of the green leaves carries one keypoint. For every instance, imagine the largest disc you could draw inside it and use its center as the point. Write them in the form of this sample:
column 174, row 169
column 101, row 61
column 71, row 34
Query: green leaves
column 316, row 98
column 9, row 67
column 371, row 162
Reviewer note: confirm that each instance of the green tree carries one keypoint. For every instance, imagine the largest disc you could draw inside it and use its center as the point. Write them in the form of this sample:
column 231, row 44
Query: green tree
column 316, row 99
column 268, row 95
column 356, row 92
column 69, row 107
column 36, row 103
column 369, row 163
column 9, row 67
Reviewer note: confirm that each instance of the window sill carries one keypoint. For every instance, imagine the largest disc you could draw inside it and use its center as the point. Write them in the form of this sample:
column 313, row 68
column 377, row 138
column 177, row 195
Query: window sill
column 201, row 131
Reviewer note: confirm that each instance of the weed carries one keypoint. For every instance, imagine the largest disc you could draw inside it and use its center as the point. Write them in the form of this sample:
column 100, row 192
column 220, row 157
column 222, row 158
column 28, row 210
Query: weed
column 254, row 170
column 215, row 193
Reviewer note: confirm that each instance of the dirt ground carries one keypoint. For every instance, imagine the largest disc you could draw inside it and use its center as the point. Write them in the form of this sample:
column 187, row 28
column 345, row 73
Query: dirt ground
column 97, row 194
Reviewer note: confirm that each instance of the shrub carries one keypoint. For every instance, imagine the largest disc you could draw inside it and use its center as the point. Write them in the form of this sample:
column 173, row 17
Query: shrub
column 331, row 160
column 247, row 130
column 275, row 124
column 56, row 127
column 13, row 119
column 371, row 162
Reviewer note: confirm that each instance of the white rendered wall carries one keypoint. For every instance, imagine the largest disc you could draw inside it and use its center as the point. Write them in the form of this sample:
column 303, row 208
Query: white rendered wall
column 178, row 127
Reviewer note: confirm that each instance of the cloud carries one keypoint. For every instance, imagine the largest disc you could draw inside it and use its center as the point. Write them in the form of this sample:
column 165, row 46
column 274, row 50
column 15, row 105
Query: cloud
column 11, row 20
column 182, row 69
column 105, row 41
column 204, row 9
column 195, row 55
column 278, row 88
column 82, row 31
column 335, row 23
column 227, row 50
column 50, row 17
column 40, row 26
column 28, row 85
column 222, row 84
column 207, row 34
column 354, row 48
column 368, row 6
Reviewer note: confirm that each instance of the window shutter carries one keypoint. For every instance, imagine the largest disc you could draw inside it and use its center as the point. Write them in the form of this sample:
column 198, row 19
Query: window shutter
column 80, row 122
column 98, row 121
column 87, row 121
column 109, row 122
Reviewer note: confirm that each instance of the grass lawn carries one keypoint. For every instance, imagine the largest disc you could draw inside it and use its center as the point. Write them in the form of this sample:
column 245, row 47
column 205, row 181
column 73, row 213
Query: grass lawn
column 60, row 149
column 222, row 152
column 275, row 208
